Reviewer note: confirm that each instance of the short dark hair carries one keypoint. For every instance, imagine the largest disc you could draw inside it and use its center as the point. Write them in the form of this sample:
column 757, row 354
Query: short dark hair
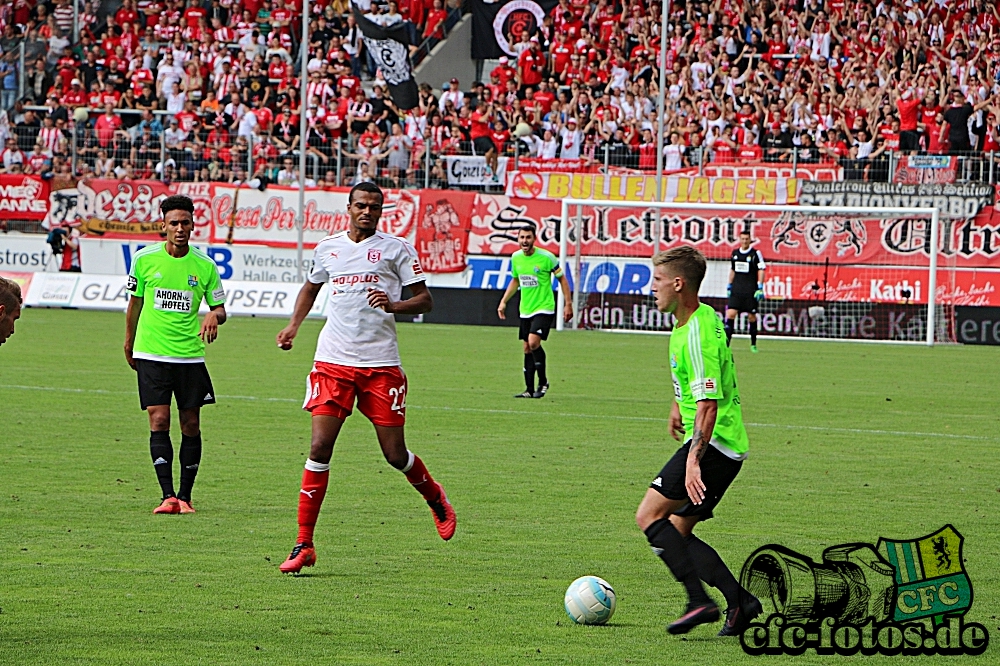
column 745, row 231
column 176, row 202
column 365, row 187
column 10, row 294
column 686, row 261
column 530, row 228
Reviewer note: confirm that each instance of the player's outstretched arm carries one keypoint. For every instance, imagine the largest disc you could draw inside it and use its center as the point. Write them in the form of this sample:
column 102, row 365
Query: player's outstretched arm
column 303, row 304
column 704, row 425
column 420, row 302
column 131, row 324
column 507, row 295
column 215, row 318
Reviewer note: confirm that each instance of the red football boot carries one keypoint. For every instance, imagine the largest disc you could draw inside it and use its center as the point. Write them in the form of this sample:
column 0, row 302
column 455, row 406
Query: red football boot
column 444, row 515
column 169, row 505
column 185, row 507
column 303, row 555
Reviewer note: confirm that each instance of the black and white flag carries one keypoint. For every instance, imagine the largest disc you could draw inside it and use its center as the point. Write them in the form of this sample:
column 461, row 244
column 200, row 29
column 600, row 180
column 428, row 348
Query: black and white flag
column 389, row 47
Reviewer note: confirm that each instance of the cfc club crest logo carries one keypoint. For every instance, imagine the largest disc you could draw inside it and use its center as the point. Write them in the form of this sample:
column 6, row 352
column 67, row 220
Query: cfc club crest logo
column 193, row 280
column 905, row 597
column 514, row 18
column 374, row 256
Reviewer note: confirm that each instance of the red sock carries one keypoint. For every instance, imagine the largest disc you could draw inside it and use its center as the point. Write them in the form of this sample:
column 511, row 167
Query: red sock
column 421, row 479
column 314, row 481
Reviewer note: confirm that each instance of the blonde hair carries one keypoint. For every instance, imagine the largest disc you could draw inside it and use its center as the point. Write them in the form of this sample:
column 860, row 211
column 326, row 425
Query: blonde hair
column 685, row 261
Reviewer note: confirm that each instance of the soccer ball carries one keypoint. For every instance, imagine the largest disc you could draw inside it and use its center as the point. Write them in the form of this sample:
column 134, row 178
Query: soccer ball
column 590, row 600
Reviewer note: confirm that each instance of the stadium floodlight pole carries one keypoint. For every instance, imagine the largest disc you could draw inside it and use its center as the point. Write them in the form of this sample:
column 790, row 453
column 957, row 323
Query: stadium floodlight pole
column 932, row 278
column 303, row 136
column 660, row 109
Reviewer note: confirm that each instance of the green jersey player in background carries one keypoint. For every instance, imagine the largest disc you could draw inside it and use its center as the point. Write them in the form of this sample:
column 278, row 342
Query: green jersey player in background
column 532, row 269
column 165, row 345
column 706, row 414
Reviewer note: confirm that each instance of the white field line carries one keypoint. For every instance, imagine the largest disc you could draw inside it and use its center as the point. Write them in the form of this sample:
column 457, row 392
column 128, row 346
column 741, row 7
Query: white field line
column 605, row 417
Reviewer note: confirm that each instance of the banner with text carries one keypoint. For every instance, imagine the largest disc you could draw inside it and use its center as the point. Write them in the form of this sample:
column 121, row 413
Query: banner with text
column 678, row 188
column 23, row 197
column 442, row 237
column 269, row 217
column 607, row 230
column 472, row 170
column 125, row 208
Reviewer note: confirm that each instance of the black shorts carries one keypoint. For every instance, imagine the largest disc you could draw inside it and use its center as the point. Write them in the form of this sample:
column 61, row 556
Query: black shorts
column 717, row 472
column 538, row 324
column 909, row 140
column 742, row 301
column 483, row 144
column 189, row 383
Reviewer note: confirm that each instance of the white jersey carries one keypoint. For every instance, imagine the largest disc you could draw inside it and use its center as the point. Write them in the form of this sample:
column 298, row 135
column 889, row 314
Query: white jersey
column 357, row 334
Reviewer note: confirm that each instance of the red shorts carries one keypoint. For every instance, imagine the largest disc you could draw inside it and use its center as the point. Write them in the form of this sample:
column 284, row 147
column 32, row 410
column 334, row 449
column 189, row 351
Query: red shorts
column 381, row 392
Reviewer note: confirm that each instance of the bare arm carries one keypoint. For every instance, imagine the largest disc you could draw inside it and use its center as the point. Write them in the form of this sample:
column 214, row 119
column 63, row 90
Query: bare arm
column 303, row 304
column 704, row 425
column 567, row 298
column 507, row 295
column 131, row 324
column 215, row 318
column 419, row 303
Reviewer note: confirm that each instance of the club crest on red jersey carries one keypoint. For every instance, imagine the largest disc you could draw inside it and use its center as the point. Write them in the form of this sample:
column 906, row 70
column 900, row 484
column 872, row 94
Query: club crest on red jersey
column 374, row 256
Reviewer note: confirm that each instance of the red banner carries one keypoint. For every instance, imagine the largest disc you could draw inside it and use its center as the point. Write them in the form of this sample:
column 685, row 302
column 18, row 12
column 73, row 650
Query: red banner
column 23, row 197
column 443, row 231
column 630, row 232
column 881, row 284
column 126, row 208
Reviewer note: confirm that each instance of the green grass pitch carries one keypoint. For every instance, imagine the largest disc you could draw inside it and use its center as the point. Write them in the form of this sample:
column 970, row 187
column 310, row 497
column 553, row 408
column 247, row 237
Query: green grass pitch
column 849, row 442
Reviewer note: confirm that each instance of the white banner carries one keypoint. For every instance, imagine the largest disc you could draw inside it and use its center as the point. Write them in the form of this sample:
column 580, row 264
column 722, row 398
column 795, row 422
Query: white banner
column 270, row 216
column 472, row 170
column 108, row 292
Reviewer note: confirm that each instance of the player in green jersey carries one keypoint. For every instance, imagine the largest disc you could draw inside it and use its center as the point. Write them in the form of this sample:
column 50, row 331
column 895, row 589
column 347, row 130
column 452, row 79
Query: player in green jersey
column 165, row 344
column 706, row 413
column 531, row 271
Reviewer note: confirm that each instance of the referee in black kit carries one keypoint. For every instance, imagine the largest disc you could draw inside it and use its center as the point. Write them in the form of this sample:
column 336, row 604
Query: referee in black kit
column 746, row 287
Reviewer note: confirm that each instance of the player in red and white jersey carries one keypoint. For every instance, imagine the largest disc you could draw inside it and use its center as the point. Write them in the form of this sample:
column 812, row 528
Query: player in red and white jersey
column 357, row 357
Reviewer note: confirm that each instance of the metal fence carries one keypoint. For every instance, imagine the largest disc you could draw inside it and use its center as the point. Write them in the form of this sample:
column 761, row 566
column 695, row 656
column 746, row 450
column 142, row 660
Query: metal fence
column 214, row 154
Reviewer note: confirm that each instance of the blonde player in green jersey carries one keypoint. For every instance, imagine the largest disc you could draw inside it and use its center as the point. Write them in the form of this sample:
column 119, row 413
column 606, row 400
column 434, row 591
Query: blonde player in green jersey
column 706, row 416
column 165, row 344
column 531, row 271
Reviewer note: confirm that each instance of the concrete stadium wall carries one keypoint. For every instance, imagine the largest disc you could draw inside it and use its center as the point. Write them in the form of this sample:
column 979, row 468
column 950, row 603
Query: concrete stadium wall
column 452, row 58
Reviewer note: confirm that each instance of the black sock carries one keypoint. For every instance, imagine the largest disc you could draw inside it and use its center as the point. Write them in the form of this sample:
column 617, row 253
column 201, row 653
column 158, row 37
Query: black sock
column 753, row 333
column 539, row 356
column 163, row 460
column 190, row 459
column 529, row 372
column 713, row 570
column 668, row 543
column 728, row 325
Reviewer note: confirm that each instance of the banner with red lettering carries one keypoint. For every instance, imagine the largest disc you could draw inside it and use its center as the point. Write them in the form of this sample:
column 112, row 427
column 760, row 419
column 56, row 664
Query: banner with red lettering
column 269, row 217
column 23, row 197
column 442, row 237
column 630, row 232
column 125, row 208
column 678, row 187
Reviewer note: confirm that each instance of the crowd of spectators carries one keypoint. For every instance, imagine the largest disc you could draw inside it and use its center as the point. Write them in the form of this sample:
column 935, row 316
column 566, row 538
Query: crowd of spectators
column 207, row 90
